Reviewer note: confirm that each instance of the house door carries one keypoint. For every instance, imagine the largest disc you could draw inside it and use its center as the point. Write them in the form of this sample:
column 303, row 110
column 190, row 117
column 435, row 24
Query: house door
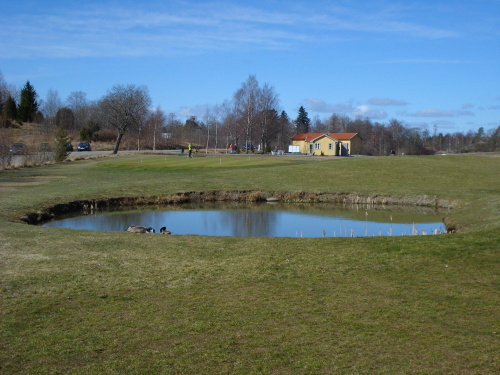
column 311, row 149
column 344, row 149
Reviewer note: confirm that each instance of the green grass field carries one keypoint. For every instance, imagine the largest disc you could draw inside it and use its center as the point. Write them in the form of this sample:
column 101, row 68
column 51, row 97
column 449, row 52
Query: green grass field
column 80, row 302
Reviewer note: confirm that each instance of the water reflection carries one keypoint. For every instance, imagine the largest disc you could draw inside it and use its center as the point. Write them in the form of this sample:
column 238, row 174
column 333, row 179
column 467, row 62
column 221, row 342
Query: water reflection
column 265, row 220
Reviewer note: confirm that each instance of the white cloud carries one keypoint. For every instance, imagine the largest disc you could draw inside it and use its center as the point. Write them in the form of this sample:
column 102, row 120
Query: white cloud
column 319, row 105
column 366, row 111
column 386, row 102
column 172, row 28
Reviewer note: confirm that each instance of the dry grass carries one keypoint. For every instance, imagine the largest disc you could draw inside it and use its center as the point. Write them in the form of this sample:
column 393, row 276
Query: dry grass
column 74, row 301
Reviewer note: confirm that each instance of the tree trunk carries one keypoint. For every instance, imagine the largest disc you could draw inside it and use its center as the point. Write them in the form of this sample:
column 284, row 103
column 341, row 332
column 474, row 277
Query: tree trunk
column 208, row 138
column 117, row 144
column 154, row 139
column 216, row 135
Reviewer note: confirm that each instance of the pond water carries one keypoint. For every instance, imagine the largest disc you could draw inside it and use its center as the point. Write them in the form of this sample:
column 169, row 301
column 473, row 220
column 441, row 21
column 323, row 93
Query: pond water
column 265, row 220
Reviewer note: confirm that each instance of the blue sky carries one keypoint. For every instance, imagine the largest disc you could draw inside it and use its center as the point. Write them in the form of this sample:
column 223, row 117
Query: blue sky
column 426, row 63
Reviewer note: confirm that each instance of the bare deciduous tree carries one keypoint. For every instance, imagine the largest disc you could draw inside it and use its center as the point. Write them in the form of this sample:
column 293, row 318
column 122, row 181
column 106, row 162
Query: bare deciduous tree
column 79, row 104
column 50, row 107
column 212, row 119
column 267, row 124
column 338, row 123
column 125, row 107
column 228, row 124
column 246, row 106
column 64, row 118
column 156, row 121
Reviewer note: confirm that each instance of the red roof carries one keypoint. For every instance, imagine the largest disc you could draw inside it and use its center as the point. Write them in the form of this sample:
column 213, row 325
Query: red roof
column 308, row 137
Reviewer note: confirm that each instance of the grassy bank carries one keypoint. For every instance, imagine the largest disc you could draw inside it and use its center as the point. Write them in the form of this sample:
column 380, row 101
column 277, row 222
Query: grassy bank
column 84, row 302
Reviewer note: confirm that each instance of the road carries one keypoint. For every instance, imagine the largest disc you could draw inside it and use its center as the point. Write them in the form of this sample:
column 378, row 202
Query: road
column 109, row 152
column 19, row 159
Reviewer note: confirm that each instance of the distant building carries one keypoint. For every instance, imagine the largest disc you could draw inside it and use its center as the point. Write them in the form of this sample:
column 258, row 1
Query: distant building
column 333, row 144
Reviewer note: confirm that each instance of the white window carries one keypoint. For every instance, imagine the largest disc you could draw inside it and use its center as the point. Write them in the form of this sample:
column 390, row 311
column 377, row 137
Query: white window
column 330, row 146
column 317, row 146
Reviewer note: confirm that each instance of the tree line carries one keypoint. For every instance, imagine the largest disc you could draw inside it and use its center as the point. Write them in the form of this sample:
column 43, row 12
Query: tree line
column 251, row 120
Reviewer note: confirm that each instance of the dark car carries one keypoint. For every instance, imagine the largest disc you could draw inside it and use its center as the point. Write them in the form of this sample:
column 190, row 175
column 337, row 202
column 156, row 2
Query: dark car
column 19, row 149
column 69, row 147
column 83, row 146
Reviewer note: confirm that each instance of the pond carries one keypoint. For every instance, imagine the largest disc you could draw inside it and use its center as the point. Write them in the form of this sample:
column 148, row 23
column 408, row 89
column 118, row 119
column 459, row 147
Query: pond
column 265, row 220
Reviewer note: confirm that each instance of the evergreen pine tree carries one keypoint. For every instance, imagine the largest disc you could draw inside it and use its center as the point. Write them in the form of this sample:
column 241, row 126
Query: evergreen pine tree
column 9, row 112
column 284, row 117
column 28, row 106
column 61, row 142
column 302, row 123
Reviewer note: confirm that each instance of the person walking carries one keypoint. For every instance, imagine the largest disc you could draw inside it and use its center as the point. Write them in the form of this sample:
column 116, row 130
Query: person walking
column 190, row 149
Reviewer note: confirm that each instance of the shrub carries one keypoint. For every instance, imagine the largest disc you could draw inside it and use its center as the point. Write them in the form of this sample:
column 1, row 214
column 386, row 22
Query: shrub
column 89, row 132
column 5, row 156
column 107, row 135
column 61, row 145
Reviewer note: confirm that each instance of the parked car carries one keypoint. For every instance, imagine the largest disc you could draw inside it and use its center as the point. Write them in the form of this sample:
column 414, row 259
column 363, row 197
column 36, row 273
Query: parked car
column 19, row 149
column 83, row 146
column 69, row 147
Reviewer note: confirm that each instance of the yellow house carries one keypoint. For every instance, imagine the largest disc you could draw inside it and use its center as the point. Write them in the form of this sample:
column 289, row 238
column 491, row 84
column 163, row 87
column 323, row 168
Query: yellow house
column 334, row 144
